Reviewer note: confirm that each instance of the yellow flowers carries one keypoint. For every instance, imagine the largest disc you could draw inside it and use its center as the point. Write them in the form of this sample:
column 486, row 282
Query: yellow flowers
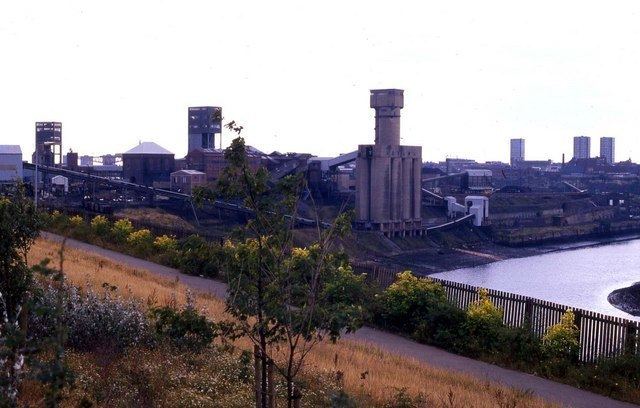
column 165, row 243
column 76, row 221
column 484, row 308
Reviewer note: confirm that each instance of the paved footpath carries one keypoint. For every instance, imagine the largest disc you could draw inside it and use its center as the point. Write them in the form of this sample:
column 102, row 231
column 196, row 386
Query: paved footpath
column 546, row 389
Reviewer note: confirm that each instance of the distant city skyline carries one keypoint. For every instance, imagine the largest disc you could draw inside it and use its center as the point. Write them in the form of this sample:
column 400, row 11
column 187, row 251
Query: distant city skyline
column 475, row 76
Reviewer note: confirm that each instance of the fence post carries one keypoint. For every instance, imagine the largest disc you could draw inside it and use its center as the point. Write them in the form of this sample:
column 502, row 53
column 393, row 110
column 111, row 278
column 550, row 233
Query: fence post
column 578, row 319
column 631, row 339
column 528, row 314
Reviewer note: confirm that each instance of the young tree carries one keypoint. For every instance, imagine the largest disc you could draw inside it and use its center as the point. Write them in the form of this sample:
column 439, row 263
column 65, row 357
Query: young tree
column 19, row 225
column 285, row 299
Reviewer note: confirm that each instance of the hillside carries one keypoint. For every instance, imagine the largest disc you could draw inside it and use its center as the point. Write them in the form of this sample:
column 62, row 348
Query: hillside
column 370, row 375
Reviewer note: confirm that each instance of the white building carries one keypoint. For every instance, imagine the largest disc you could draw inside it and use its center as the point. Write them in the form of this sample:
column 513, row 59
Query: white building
column 10, row 164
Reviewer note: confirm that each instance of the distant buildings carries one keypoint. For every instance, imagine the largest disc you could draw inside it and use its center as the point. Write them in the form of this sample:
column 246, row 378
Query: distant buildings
column 388, row 186
column 517, row 151
column 581, row 147
column 607, row 149
column 185, row 181
column 212, row 162
column 10, row 164
column 455, row 165
column 86, row 160
column 148, row 164
column 204, row 123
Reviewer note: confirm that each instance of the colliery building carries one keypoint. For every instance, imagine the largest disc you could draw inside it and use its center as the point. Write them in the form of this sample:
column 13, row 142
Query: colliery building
column 388, row 187
column 185, row 181
column 48, row 144
column 205, row 122
column 148, row 164
column 212, row 162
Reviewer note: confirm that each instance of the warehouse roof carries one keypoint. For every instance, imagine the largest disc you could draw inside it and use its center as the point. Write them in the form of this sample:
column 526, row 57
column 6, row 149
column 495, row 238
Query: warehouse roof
column 10, row 149
column 148, row 148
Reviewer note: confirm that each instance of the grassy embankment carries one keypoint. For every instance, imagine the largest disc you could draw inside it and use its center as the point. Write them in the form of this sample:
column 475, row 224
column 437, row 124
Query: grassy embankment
column 371, row 375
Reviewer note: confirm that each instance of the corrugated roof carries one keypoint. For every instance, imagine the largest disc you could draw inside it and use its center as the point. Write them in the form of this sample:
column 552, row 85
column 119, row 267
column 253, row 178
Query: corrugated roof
column 10, row 149
column 187, row 171
column 148, row 148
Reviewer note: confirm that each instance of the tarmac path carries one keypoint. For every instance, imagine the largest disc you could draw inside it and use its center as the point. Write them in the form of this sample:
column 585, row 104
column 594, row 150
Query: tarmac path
column 546, row 389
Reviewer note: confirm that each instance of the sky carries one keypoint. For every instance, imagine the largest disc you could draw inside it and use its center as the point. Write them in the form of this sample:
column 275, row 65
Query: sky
column 297, row 74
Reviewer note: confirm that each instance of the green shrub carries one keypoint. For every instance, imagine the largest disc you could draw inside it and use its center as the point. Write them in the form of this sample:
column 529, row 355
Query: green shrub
column 185, row 328
column 76, row 221
column 165, row 243
column 419, row 307
column 121, row 230
column 618, row 377
column 77, row 228
column 141, row 241
column 100, row 225
column 561, row 345
column 521, row 348
column 483, row 329
column 198, row 257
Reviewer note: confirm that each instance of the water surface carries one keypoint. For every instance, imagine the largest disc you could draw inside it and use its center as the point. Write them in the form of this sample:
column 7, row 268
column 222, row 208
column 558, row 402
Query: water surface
column 581, row 278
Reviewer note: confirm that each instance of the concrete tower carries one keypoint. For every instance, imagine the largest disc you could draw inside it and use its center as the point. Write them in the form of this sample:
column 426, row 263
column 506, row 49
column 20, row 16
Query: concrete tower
column 388, row 188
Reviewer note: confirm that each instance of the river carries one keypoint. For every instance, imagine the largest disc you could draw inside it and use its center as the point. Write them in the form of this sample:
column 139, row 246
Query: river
column 581, row 277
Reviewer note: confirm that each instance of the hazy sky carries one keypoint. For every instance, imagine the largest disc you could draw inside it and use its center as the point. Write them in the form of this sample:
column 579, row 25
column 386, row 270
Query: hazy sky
column 297, row 74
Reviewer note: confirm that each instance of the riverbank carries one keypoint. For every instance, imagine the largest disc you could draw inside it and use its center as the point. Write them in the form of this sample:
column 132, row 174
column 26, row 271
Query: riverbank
column 438, row 258
column 627, row 299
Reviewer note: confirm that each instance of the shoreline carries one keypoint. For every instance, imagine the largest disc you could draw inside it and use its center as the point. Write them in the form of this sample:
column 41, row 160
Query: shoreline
column 626, row 299
column 435, row 260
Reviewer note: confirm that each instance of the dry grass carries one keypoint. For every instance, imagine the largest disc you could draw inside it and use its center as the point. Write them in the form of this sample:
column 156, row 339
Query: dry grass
column 385, row 373
column 155, row 216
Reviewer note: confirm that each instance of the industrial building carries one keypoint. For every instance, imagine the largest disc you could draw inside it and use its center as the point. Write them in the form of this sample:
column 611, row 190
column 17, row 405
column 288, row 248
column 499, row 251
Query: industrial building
column 388, row 186
column 581, row 147
column 72, row 160
column 608, row 149
column 10, row 164
column 212, row 162
column 148, row 164
column 517, row 151
column 184, row 181
column 479, row 180
column 48, row 144
column 205, row 122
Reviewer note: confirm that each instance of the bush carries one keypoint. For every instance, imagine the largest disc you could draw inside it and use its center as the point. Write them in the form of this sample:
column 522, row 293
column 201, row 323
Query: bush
column 419, row 307
column 121, row 229
column 483, row 328
column 198, row 257
column 561, row 345
column 93, row 319
column 76, row 221
column 100, row 225
column 141, row 241
column 521, row 348
column 185, row 328
column 165, row 243
column 618, row 377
